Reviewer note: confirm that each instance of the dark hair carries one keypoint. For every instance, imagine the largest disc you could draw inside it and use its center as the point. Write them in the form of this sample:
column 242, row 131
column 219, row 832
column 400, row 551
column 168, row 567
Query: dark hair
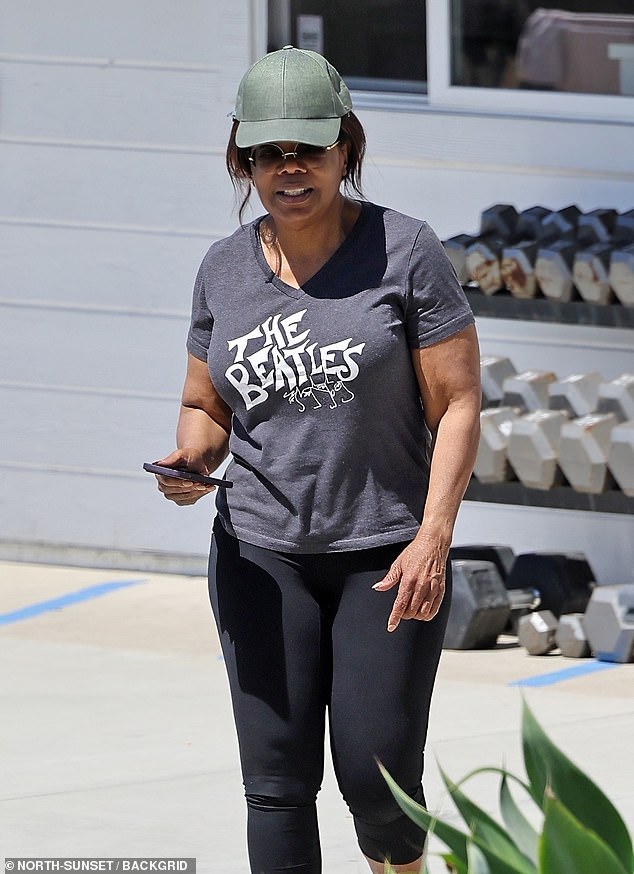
column 351, row 132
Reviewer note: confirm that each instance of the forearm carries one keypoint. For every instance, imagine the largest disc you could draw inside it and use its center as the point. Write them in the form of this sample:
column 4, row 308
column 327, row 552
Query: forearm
column 198, row 431
column 454, row 450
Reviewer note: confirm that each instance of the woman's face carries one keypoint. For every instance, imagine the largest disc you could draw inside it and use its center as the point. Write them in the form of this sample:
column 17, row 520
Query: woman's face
column 299, row 192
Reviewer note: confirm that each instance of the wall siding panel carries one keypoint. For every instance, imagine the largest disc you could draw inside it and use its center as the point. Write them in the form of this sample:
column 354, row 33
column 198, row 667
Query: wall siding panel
column 113, row 121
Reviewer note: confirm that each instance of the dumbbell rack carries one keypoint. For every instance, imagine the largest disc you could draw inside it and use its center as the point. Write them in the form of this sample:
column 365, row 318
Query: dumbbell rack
column 566, row 338
column 573, row 313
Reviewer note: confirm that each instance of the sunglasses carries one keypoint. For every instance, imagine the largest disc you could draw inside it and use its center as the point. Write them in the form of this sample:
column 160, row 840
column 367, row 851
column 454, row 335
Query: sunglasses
column 269, row 156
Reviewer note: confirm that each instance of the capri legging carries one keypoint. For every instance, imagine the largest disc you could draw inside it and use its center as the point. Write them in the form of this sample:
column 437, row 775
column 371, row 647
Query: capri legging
column 303, row 635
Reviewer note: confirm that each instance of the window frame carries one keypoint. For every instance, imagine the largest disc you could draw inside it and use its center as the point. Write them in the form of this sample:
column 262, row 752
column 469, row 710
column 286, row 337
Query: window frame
column 442, row 95
column 507, row 101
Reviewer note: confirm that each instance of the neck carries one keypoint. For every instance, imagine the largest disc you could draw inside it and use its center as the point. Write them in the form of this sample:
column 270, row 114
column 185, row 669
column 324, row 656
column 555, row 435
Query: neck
column 296, row 252
column 315, row 237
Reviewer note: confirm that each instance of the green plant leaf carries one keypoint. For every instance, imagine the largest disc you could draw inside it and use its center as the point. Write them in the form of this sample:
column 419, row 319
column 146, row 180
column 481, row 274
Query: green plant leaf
column 452, row 837
column 453, row 863
column 476, row 860
column 567, row 845
column 493, row 838
column 520, row 829
column 546, row 766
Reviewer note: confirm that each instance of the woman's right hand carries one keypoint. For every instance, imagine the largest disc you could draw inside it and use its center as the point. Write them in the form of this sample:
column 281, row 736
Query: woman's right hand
column 183, row 492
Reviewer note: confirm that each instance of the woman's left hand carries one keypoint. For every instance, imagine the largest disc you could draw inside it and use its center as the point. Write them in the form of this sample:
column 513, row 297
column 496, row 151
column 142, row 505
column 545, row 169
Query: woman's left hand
column 419, row 572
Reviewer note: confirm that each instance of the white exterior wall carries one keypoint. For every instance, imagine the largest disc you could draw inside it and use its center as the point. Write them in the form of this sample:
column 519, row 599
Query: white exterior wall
column 113, row 123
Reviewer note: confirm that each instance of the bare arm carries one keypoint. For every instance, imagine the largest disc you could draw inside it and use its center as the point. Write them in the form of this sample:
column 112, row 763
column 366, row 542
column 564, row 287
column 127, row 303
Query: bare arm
column 448, row 375
column 202, row 434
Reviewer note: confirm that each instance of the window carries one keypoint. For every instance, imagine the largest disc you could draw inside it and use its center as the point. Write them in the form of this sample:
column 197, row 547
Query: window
column 558, row 58
column 377, row 45
column 576, row 46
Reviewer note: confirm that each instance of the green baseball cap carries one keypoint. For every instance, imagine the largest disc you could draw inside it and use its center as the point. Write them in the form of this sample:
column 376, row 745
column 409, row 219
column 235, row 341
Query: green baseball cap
column 291, row 95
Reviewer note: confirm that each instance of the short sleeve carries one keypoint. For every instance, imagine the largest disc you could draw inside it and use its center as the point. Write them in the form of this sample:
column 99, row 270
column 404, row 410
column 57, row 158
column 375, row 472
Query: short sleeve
column 436, row 304
column 201, row 324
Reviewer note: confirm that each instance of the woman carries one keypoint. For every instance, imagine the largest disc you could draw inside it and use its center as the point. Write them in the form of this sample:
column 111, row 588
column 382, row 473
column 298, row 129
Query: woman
column 316, row 333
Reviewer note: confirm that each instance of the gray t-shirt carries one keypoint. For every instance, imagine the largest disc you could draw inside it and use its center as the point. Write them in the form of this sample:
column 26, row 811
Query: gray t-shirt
column 328, row 440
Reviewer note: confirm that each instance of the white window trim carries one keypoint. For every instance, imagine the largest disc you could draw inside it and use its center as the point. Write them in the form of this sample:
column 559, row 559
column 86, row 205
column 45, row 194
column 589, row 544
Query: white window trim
column 443, row 95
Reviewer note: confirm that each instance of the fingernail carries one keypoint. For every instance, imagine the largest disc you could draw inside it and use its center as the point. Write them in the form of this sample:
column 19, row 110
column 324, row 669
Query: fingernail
column 376, row 585
column 391, row 626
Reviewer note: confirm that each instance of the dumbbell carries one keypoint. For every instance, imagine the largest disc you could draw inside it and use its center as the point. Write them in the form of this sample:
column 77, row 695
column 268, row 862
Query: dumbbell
column 480, row 607
column 609, row 623
column 482, row 262
column 518, row 269
column 577, row 394
column 494, row 369
column 528, row 390
column 521, row 601
column 590, row 273
column 617, row 396
column 587, row 443
column 564, row 580
column 621, row 456
column 562, row 223
column 529, row 224
column 621, row 274
column 584, row 447
column 456, row 250
column 532, row 448
column 624, row 228
column 554, row 581
column 536, row 632
column 570, row 636
column 540, row 633
column 501, row 555
column 553, row 269
column 492, row 463
column 596, row 226
column 499, row 220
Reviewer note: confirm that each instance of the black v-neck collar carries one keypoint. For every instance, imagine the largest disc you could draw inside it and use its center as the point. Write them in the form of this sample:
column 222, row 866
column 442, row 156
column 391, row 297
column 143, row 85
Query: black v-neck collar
column 312, row 286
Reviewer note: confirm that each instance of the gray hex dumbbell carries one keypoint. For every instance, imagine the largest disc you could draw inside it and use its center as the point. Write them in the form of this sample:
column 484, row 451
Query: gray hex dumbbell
column 583, row 452
column 621, row 456
column 609, row 623
column 529, row 224
column 596, row 226
column 528, row 390
column 492, row 463
column 499, row 220
column 480, row 607
column 570, row 636
column 536, row 632
column 578, row 394
column 494, row 369
column 617, row 397
column 562, row 223
column 533, row 448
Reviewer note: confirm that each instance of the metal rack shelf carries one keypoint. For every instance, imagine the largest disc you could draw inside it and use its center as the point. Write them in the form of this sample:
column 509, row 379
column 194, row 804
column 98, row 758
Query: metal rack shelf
column 559, row 497
column 504, row 306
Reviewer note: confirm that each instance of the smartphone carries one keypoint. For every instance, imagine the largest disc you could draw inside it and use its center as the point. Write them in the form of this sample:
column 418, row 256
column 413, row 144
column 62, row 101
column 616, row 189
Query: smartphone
column 188, row 475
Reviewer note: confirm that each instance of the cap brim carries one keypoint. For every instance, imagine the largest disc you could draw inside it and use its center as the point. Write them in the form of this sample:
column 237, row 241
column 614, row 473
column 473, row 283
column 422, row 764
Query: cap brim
column 313, row 131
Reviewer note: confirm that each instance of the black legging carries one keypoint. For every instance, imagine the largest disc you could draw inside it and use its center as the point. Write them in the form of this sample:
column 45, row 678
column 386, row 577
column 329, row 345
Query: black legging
column 302, row 633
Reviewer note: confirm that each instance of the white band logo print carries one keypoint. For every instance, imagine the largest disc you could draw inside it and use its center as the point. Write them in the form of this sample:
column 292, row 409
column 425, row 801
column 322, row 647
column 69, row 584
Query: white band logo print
column 274, row 356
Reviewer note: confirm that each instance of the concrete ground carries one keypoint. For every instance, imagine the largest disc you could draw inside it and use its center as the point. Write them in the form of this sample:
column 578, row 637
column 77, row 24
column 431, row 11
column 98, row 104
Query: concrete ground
column 116, row 737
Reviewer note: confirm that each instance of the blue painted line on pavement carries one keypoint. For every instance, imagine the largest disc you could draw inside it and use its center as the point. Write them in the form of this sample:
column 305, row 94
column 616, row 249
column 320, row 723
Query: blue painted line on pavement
column 62, row 601
column 590, row 667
